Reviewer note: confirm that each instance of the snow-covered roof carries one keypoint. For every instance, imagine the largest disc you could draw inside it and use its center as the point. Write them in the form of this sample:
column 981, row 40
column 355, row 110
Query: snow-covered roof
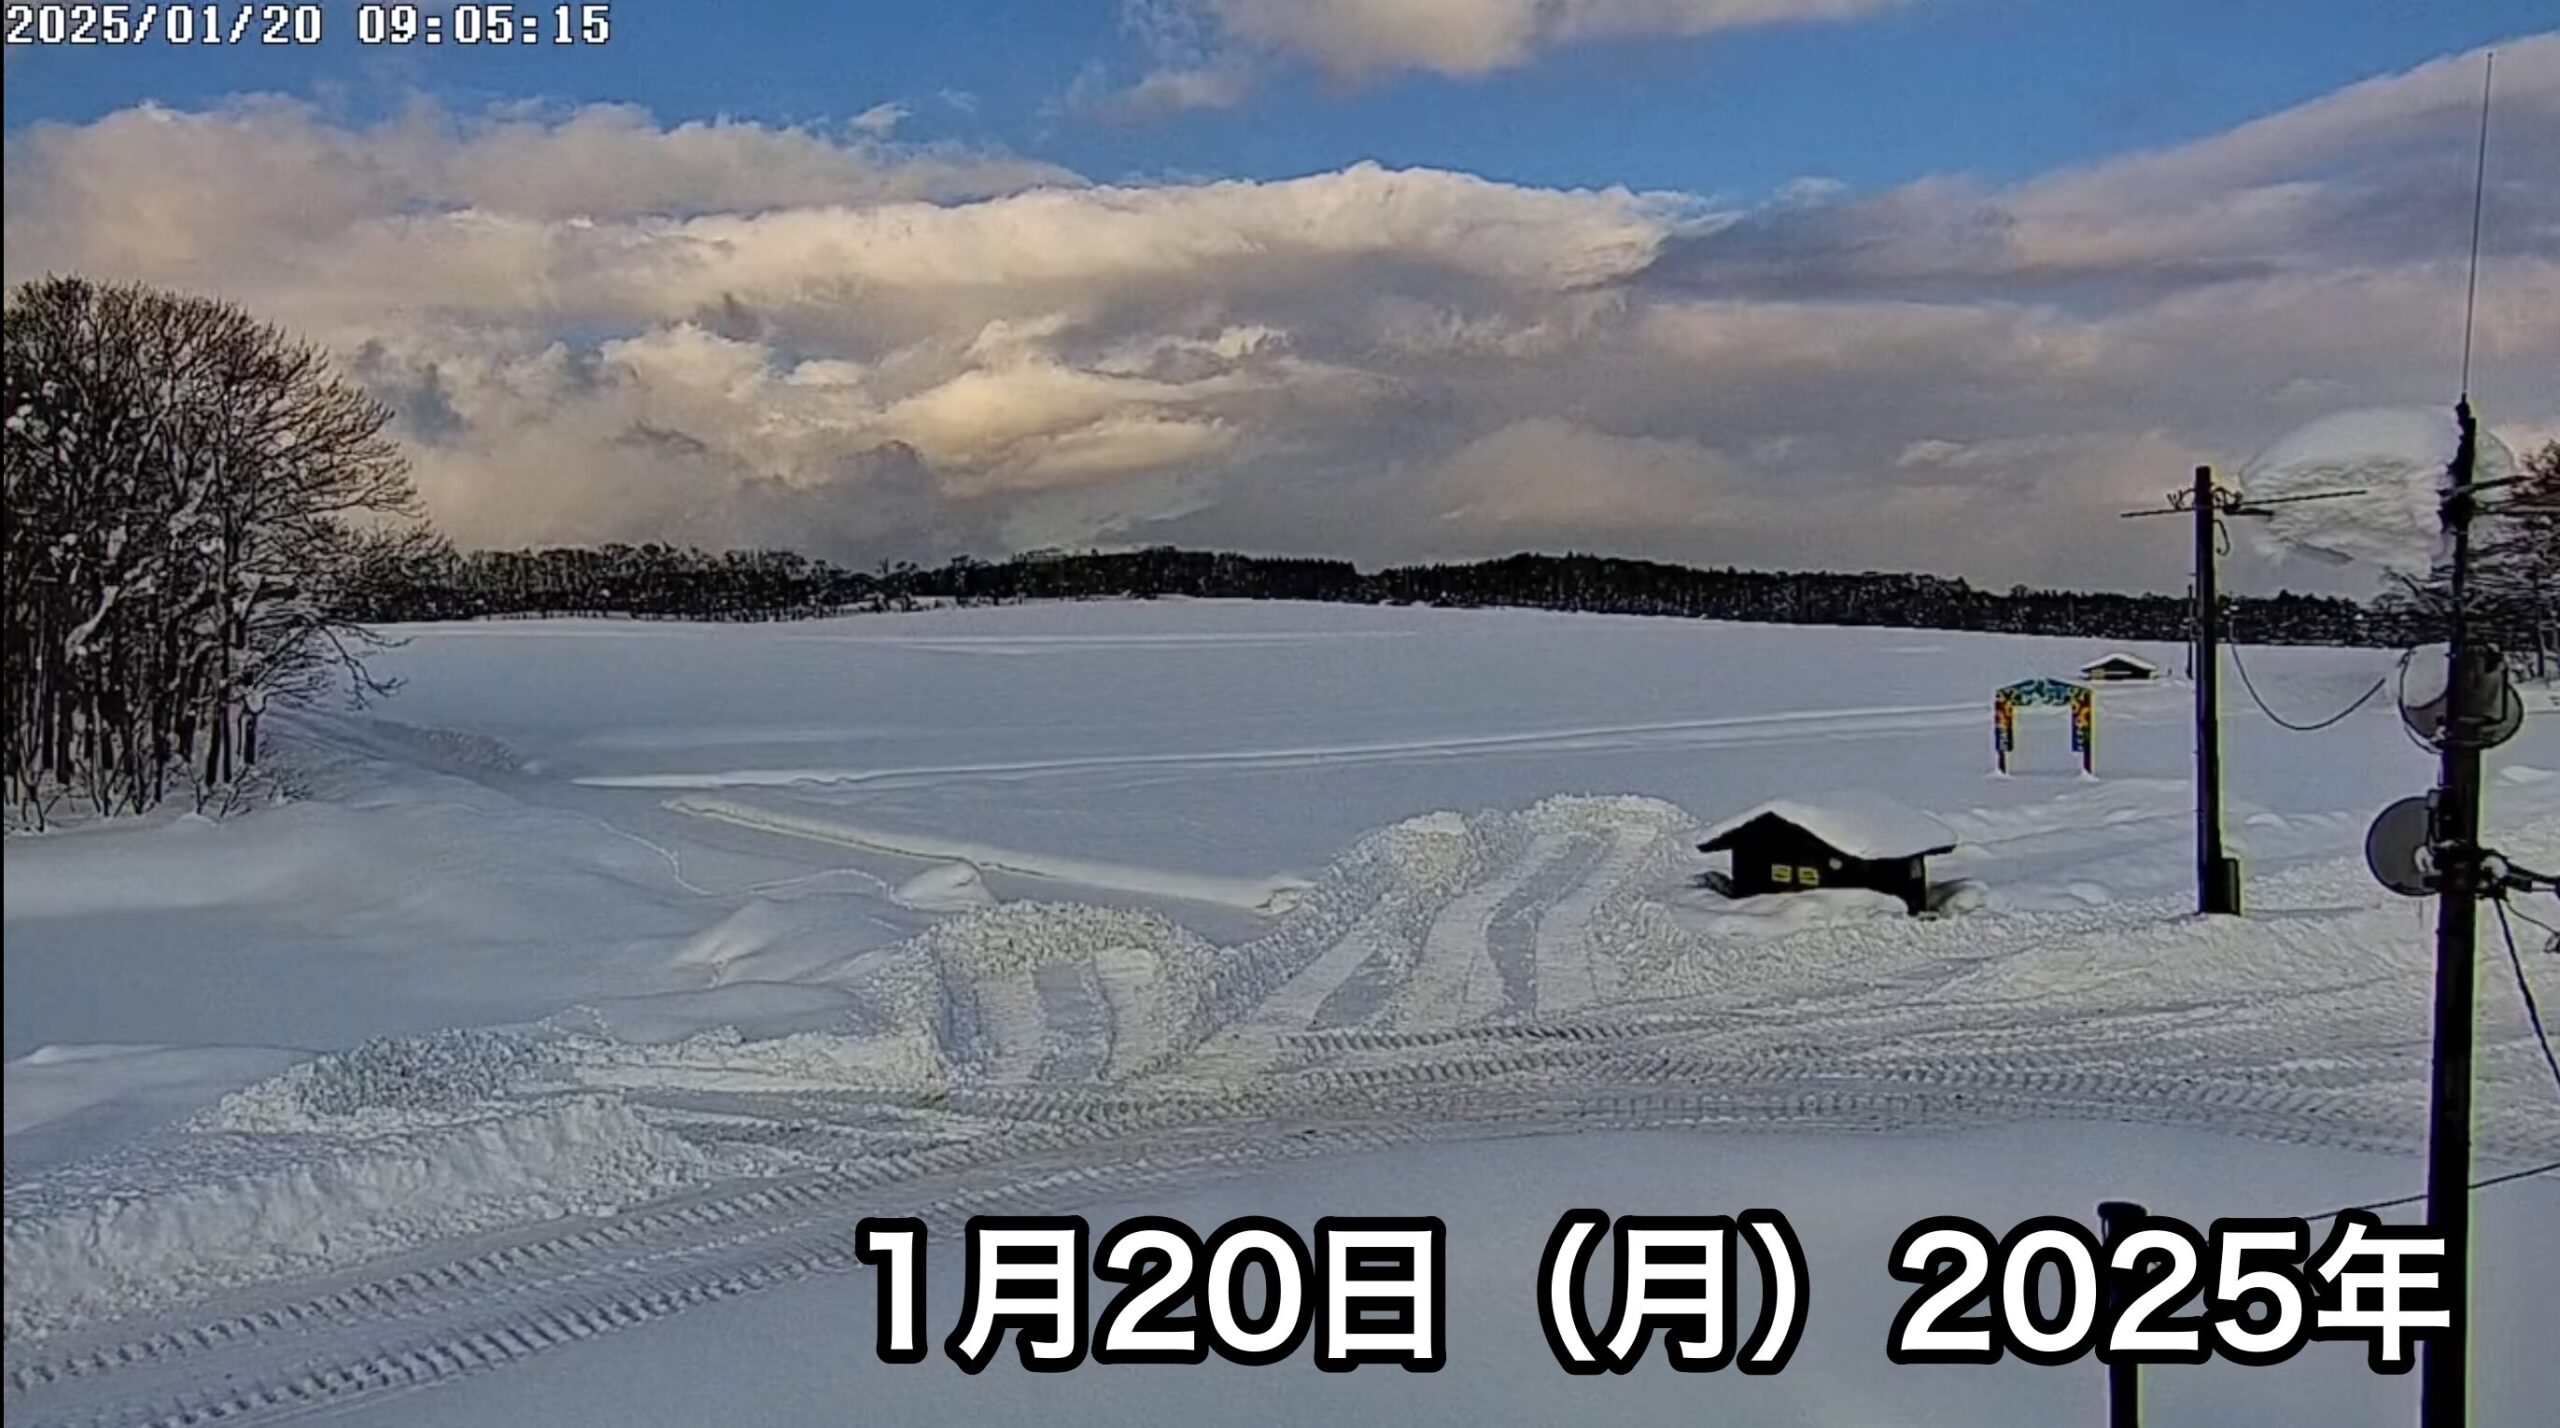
column 1859, row 822
column 2119, row 657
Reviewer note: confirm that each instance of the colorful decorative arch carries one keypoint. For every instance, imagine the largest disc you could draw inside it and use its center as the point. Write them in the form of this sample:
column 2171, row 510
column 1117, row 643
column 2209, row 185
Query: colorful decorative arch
column 2059, row 693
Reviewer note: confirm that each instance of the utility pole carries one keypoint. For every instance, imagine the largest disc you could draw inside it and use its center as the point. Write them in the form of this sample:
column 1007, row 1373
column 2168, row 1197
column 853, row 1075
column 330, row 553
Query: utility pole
column 2217, row 882
column 2444, row 1393
column 2430, row 847
column 2217, row 875
column 2445, row 1388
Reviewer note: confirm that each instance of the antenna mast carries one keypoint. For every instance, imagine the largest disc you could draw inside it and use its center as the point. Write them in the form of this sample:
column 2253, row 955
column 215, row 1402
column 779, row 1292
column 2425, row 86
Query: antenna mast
column 2475, row 688
column 2479, row 194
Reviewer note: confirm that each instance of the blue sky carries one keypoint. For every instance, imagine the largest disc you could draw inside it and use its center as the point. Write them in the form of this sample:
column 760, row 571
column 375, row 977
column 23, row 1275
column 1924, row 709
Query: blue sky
column 2000, row 88
column 1385, row 279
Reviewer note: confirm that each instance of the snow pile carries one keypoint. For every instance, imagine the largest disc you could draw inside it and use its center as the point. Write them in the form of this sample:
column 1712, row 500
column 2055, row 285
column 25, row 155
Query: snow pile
column 945, row 887
column 895, row 1058
column 1016, row 993
column 1755, row 919
column 984, row 986
column 2395, row 459
column 126, row 1235
column 390, row 1083
column 393, row 1143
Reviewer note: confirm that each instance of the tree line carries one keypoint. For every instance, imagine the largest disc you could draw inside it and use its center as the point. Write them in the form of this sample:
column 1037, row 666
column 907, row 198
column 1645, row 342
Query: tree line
column 2515, row 594
column 677, row 582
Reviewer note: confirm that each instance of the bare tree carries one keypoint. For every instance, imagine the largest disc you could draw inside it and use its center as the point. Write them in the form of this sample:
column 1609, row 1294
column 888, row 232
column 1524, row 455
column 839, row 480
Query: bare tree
column 2520, row 562
column 190, row 494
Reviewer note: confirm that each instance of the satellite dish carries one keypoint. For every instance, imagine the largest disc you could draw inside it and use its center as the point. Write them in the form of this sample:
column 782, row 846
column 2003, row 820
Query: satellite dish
column 2395, row 847
column 2424, row 698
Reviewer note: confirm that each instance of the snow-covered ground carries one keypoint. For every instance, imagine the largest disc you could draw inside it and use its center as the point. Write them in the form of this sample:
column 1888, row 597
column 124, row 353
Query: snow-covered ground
column 605, row 975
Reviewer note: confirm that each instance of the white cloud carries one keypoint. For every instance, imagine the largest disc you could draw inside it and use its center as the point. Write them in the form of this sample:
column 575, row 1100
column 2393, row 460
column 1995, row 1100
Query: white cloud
column 1220, row 83
column 1355, row 38
column 599, row 326
column 1203, row 49
column 881, row 120
column 1546, row 473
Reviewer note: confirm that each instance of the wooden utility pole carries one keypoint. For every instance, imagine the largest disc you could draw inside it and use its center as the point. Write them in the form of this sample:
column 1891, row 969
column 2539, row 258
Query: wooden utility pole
column 2217, row 883
column 2217, row 875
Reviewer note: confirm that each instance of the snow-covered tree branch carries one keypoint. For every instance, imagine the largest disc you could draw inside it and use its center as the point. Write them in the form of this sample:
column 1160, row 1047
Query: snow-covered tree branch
column 191, row 496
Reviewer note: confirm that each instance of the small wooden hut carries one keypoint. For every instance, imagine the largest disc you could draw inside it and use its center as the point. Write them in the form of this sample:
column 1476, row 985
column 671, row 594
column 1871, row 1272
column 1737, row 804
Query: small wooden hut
column 1853, row 839
column 2118, row 668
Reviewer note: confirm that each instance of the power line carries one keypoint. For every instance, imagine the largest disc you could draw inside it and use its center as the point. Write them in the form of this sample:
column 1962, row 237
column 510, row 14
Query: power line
column 2401, row 695
column 2538, row 922
column 2524, row 988
column 2379, row 683
column 2533, row 1015
column 2548, row 1167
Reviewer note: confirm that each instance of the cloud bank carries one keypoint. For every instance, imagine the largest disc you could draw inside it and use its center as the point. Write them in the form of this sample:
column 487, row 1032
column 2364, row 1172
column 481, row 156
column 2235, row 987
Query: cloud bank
column 599, row 326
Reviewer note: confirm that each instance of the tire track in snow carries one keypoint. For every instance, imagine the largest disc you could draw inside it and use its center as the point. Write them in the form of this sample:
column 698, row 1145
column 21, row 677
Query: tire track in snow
column 1010, row 1023
column 387, row 1336
column 1251, row 1046
column 1075, row 1018
column 1455, row 981
column 1511, row 934
column 1130, row 981
column 1570, row 975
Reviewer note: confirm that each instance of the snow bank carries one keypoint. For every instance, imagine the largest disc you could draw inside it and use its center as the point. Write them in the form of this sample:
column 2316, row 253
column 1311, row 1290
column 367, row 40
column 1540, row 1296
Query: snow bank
column 53, row 1083
column 1754, row 919
column 2394, row 458
column 1253, row 895
column 182, row 864
column 127, row 1235
column 766, row 940
column 945, row 887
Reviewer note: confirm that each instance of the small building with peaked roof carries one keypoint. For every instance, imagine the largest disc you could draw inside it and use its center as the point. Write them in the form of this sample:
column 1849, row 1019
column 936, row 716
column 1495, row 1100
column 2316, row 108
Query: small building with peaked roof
column 1851, row 839
column 2119, row 666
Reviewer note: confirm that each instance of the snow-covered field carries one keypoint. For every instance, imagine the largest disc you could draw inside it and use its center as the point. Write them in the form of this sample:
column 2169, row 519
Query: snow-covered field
column 601, row 979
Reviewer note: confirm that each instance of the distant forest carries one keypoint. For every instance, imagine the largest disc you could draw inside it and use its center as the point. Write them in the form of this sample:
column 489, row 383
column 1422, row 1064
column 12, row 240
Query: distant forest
column 668, row 582
column 2514, row 593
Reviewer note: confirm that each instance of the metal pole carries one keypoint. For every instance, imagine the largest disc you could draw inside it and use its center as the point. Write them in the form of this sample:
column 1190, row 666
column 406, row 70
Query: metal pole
column 2444, row 1391
column 2124, row 1380
column 2213, row 889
